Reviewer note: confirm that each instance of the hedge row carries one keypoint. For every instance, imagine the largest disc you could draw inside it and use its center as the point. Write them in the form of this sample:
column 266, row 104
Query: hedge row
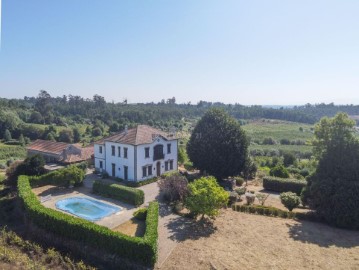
column 274, row 212
column 140, row 250
column 71, row 175
column 122, row 193
column 284, row 184
column 140, row 183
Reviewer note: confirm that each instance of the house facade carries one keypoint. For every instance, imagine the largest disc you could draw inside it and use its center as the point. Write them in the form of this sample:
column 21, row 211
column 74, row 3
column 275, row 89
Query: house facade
column 137, row 154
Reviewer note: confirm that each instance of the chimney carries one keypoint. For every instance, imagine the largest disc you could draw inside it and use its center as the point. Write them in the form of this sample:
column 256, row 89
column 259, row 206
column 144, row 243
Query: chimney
column 126, row 130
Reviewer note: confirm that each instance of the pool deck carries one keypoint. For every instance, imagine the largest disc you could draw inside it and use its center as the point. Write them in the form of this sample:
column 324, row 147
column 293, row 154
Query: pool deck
column 112, row 221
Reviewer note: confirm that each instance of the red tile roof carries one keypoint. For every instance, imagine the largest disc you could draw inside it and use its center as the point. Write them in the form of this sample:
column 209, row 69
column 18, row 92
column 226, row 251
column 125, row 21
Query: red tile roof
column 86, row 154
column 57, row 148
column 50, row 147
column 141, row 134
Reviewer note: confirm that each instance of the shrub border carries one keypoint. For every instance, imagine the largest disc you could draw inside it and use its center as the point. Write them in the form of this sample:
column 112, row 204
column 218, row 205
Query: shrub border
column 122, row 193
column 274, row 212
column 137, row 249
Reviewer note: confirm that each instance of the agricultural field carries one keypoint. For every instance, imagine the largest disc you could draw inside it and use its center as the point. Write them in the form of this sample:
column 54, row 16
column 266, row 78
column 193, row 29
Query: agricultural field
column 258, row 130
column 11, row 152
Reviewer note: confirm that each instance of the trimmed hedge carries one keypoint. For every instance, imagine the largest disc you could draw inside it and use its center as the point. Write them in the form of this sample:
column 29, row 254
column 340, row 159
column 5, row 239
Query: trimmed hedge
column 137, row 249
column 125, row 194
column 274, row 212
column 63, row 177
column 140, row 183
column 284, row 184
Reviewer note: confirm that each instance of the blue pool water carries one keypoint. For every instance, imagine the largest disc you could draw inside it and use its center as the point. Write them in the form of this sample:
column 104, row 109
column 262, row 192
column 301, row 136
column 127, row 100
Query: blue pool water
column 87, row 208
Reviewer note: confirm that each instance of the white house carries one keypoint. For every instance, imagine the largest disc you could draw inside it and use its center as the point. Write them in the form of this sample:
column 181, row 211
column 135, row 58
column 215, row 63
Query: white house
column 137, row 154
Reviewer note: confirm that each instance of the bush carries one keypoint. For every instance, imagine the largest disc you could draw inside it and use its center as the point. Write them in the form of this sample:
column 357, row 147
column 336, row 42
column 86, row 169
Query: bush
column 174, row 187
column 290, row 200
column 140, row 214
column 284, row 184
column 288, row 159
column 82, row 165
column 285, row 142
column 262, row 197
column 64, row 177
column 125, row 194
column 206, row 197
column 269, row 141
column 304, row 172
column 140, row 250
column 33, row 165
column 239, row 180
column 279, row 171
column 250, row 198
column 241, row 191
column 233, row 196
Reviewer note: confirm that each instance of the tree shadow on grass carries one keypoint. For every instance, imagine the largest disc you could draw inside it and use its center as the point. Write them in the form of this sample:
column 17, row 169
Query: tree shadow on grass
column 182, row 228
column 323, row 235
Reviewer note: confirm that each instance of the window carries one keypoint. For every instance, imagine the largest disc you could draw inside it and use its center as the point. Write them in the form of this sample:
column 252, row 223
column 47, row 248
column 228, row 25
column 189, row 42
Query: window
column 113, row 150
column 119, row 151
column 169, row 148
column 171, row 164
column 158, row 152
column 100, row 149
column 144, row 171
column 166, row 166
column 125, row 152
column 147, row 152
column 101, row 164
column 149, row 170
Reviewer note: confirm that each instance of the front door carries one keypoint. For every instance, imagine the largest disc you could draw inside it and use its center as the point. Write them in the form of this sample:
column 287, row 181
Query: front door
column 125, row 172
column 113, row 170
column 158, row 168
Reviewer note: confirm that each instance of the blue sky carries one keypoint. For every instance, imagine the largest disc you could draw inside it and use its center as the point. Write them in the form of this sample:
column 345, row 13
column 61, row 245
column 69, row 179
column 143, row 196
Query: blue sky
column 249, row 52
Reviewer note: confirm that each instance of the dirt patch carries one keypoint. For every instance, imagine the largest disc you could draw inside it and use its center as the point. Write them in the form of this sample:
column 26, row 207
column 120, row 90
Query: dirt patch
column 133, row 227
column 245, row 241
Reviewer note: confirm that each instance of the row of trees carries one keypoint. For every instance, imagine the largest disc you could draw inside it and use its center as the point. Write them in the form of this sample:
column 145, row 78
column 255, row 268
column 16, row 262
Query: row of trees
column 45, row 109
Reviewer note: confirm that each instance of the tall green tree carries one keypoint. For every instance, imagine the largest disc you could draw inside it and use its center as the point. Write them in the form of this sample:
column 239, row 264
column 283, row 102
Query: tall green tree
column 218, row 145
column 77, row 135
column 334, row 188
column 7, row 135
column 66, row 136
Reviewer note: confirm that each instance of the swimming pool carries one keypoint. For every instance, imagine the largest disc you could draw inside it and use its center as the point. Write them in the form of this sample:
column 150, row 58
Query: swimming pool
column 87, row 208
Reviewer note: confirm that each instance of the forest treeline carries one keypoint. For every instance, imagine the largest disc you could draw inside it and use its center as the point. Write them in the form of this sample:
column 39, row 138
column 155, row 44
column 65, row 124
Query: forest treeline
column 15, row 114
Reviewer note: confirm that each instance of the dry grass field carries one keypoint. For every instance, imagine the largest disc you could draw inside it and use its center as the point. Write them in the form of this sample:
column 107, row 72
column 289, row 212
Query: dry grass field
column 245, row 241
